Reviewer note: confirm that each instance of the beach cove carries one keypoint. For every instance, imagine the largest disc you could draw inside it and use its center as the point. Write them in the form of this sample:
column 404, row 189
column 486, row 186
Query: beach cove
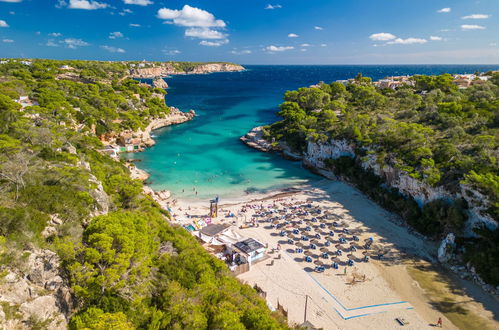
column 204, row 158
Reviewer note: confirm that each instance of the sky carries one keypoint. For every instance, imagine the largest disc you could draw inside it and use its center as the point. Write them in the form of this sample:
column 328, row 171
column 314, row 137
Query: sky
column 254, row 31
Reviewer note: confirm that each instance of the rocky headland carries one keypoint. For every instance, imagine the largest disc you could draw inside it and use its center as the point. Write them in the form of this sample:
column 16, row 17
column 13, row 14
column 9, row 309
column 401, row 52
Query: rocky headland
column 152, row 71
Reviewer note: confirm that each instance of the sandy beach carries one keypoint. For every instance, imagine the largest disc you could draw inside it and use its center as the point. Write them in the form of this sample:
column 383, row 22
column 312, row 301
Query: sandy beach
column 365, row 295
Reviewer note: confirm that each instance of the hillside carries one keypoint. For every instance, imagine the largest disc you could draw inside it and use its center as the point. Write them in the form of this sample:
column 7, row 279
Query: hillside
column 81, row 244
column 426, row 150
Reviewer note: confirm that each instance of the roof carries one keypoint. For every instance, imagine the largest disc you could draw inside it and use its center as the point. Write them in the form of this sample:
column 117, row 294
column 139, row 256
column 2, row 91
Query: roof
column 214, row 229
column 249, row 245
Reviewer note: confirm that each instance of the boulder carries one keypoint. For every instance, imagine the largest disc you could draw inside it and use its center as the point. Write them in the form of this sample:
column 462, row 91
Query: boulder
column 446, row 247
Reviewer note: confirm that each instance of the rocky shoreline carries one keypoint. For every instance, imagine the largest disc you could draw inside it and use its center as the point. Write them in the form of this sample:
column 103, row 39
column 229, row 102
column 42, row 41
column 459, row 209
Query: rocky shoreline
column 174, row 118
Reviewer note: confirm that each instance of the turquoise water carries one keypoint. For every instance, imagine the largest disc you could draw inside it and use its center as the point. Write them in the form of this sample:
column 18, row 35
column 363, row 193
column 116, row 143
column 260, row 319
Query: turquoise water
column 206, row 156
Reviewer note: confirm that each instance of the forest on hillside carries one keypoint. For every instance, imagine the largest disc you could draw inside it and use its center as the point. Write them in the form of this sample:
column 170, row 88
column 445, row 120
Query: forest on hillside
column 429, row 129
column 125, row 266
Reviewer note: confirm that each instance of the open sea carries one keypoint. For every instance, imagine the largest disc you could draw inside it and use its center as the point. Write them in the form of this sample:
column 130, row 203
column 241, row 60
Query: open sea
column 205, row 154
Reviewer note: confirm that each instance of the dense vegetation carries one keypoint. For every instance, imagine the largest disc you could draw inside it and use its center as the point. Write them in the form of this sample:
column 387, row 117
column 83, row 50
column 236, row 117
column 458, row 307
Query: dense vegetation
column 127, row 267
column 429, row 129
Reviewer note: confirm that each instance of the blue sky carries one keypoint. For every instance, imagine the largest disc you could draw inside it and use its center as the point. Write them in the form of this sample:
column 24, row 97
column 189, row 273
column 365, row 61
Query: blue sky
column 254, row 31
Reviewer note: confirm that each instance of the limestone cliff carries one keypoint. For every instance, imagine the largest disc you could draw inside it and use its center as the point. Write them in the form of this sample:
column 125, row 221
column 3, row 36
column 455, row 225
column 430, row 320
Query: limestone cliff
column 166, row 69
column 407, row 185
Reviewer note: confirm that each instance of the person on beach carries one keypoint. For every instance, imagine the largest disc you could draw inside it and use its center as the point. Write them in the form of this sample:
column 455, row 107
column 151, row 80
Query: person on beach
column 439, row 322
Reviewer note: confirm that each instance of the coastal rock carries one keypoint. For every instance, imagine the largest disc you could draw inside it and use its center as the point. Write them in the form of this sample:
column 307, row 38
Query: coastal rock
column 159, row 83
column 255, row 140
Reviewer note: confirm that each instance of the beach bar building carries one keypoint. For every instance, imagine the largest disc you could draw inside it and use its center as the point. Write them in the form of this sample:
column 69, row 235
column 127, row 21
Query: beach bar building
column 211, row 233
column 251, row 249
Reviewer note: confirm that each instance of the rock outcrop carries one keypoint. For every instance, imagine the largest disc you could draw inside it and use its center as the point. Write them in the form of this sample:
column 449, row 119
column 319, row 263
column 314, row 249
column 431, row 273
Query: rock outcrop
column 159, row 83
column 39, row 294
column 254, row 139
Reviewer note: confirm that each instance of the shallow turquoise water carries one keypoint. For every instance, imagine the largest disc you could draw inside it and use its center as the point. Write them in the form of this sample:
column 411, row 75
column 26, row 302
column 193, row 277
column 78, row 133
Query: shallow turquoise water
column 206, row 156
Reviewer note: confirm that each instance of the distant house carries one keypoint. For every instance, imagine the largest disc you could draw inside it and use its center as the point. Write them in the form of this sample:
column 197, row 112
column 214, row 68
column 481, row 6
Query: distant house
column 66, row 67
column 129, row 143
column 26, row 63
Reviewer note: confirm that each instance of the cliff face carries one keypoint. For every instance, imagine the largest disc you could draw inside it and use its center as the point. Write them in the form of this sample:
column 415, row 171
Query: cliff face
column 407, row 185
column 166, row 69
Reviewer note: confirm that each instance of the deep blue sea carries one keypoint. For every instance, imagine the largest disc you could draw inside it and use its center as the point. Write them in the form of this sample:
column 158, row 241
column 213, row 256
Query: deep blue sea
column 206, row 156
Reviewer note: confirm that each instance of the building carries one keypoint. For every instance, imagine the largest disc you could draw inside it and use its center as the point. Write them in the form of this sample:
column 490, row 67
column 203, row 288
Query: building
column 250, row 249
column 129, row 143
column 210, row 233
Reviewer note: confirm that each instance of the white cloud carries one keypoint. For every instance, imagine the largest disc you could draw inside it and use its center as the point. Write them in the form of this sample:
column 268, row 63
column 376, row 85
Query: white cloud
column 51, row 43
column 86, row 4
column 493, row 44
column 125, row 11
column 323, row 45
column 112, row 49
column 318, row 28
column 476, row 16
column 134, row 25
column 408, row 41
column 383, row 36
column 204, row 33
column 293, row 35
column 273, row 48
column 171, row 51
column 115, row 35
column 190, row 17
column 8, row 41
column 3, row 24
column 241, row 52
column 305, row 45
column 214, row 43
column 436, row 38
column 444, row 10
column 303, row 49
column 269, row 6
column 74, row 43
column 469, row 27
column 55, row 34
column 138, row 2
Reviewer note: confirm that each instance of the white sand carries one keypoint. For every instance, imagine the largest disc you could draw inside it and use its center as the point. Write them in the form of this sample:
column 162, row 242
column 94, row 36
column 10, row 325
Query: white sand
column 334, row 303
